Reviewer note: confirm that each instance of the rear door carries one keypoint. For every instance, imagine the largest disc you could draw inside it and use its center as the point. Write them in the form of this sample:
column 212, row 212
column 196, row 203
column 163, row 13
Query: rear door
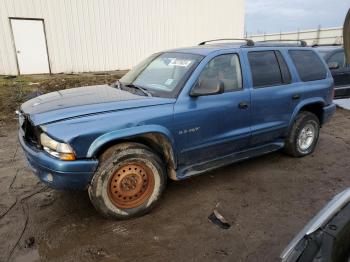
column 272, row 97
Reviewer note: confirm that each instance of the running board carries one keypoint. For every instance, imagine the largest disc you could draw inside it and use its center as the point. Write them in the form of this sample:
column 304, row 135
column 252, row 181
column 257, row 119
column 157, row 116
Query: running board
column 188, row 171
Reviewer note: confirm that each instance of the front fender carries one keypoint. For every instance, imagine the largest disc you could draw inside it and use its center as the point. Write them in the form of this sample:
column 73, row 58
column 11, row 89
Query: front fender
column 309, row 101
column 128, row 133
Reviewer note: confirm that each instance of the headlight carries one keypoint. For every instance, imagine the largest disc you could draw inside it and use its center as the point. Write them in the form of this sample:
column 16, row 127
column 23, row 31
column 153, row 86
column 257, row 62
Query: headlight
column 60, row 150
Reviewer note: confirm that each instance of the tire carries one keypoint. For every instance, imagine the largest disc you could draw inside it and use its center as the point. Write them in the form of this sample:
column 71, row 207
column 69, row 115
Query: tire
column 305, row 125
column 128, row 182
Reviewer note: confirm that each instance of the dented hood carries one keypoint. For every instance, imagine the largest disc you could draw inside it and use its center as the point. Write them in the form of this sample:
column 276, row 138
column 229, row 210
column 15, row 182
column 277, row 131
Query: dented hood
column 82, row 101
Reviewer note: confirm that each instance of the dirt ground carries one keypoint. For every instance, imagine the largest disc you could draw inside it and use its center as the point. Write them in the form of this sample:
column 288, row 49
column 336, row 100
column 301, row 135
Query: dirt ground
column 267, row 200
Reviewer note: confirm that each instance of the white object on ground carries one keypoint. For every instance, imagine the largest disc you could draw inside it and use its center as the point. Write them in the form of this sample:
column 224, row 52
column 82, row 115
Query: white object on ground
column 343, row 103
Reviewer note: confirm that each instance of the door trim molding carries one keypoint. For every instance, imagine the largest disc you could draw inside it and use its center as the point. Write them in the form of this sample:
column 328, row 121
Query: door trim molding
column 14, row 43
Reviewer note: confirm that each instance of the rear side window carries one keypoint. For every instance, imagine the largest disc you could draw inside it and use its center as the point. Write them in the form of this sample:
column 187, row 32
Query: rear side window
column 268, row 68
column 308, row 65
column 286, row 78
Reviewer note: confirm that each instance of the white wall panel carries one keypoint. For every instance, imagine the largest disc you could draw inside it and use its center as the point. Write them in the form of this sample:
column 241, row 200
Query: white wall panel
column 97, row 35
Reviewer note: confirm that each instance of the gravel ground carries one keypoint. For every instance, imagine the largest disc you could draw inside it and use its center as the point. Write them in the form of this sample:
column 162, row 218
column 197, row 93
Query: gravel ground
column 267, row 200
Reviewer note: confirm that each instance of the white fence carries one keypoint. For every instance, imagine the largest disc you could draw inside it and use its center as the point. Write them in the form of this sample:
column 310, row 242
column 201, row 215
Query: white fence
column 318, row 36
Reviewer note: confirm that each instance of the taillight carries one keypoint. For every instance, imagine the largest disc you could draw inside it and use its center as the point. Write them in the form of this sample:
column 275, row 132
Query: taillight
column 333, row 92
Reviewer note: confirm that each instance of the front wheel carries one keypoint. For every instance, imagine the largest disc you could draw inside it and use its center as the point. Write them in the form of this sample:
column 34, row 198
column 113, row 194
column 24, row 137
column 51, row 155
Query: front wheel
column 128, row 182
column 303, row 137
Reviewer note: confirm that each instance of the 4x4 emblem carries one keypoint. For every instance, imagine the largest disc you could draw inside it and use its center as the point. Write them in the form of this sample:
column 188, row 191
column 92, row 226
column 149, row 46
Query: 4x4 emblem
column 190, row 130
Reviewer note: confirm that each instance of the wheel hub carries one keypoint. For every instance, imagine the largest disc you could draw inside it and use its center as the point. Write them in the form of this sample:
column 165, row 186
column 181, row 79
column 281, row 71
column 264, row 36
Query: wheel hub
column 306, row 137
column 131, row 185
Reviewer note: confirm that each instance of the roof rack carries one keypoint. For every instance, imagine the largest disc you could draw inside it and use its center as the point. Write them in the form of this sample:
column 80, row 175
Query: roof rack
column 248, row 41
column 334, row 44
column 301, row 42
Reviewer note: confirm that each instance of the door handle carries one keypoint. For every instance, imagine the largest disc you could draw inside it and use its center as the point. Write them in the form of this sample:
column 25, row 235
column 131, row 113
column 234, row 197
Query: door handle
column 243, row 105
column 295, row 97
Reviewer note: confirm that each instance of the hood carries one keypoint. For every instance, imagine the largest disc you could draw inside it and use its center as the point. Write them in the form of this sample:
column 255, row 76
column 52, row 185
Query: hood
column 81, row 101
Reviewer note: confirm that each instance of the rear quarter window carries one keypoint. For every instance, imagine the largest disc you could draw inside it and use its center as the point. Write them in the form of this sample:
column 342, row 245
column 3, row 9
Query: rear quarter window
column 308, row 64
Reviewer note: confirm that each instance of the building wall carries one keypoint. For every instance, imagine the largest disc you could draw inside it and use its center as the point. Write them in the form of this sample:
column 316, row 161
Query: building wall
column 319, row 36
column 99, row 35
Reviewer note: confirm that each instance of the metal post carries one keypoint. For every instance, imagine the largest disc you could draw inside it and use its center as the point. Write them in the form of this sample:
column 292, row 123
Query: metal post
column 298, row 34
column 318, row 35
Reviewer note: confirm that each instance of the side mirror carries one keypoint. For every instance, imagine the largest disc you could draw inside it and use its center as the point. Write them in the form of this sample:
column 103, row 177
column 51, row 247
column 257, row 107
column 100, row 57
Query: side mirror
column 208, row 87
column 333, row 65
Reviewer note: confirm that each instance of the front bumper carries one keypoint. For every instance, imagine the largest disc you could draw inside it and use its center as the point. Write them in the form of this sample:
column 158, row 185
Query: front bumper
column 328, row 111
column 56, row 173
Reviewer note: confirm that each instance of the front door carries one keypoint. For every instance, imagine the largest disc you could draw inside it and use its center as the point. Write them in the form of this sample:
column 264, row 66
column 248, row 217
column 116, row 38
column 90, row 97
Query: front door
column 30, row 43
column 211, row 126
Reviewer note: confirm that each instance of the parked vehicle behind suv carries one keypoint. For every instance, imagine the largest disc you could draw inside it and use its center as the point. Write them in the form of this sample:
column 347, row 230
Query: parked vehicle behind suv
column 177, row 114
column 340, row 70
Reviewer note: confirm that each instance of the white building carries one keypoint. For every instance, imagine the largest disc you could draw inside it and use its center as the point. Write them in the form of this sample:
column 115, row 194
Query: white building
column 43, row 36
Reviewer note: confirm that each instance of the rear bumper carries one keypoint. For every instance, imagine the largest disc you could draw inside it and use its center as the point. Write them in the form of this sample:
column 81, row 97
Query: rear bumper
column 342, row 92
column 328, row 111
column 57, row 173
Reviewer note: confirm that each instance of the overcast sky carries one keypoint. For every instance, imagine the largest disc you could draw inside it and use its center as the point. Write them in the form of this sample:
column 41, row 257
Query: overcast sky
column 288, row 15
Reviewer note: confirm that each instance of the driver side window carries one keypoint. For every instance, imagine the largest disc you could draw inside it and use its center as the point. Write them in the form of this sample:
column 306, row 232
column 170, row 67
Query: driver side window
column 225, row 68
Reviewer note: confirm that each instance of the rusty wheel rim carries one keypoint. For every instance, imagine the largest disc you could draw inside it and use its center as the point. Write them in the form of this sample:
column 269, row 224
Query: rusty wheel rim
column 131, row 185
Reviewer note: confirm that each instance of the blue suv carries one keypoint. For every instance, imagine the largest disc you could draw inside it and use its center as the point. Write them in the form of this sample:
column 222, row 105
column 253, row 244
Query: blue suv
column 177, row 114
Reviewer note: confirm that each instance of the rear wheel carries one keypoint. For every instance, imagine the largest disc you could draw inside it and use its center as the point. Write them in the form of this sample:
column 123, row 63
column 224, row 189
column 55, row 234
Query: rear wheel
column 303, row 136
column 128, row 182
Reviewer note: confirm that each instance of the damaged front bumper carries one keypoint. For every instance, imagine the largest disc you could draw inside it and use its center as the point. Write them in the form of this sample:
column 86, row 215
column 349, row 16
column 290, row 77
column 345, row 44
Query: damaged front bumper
column 57, row 173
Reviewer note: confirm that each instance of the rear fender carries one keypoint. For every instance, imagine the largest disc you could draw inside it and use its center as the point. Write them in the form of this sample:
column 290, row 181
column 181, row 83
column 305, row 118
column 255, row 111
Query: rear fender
column 306, row 102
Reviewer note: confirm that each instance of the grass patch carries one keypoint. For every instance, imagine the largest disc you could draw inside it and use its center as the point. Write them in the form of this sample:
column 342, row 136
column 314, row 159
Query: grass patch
column 15, row 91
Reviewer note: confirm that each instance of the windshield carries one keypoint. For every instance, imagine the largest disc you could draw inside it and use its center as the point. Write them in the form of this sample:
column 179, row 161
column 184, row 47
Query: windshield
column 162, row 74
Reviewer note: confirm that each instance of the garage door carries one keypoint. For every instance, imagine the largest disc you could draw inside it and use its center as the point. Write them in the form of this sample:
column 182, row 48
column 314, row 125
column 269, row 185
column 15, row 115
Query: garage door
column 30, row 43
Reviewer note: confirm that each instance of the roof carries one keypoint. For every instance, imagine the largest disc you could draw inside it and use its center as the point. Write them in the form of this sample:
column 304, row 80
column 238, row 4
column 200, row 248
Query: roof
column 328, row 48
column 208, row 48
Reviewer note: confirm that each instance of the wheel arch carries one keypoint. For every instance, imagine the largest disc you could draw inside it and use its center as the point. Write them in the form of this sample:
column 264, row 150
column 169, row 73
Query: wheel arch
column 311, row 105
column 157, row 138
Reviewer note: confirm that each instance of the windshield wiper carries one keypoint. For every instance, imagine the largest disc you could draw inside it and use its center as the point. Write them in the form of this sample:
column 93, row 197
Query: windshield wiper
column 139, row 88
column 117, row 84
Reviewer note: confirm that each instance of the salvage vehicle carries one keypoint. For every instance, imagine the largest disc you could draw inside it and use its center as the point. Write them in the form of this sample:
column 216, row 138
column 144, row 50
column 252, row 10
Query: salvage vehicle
column 335, row 58
column 326, row 238
column 177, row 114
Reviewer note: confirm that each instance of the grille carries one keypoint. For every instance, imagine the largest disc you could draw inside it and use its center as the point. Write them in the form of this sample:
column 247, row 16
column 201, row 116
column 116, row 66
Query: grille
column 31, row 133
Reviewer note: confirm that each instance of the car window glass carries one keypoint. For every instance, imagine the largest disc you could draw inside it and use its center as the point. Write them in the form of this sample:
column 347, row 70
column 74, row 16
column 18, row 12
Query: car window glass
column 163, row 74
column 308, row 65
column 286, row 78
column 339, row 58
column 265, row 68
column 224, row 68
